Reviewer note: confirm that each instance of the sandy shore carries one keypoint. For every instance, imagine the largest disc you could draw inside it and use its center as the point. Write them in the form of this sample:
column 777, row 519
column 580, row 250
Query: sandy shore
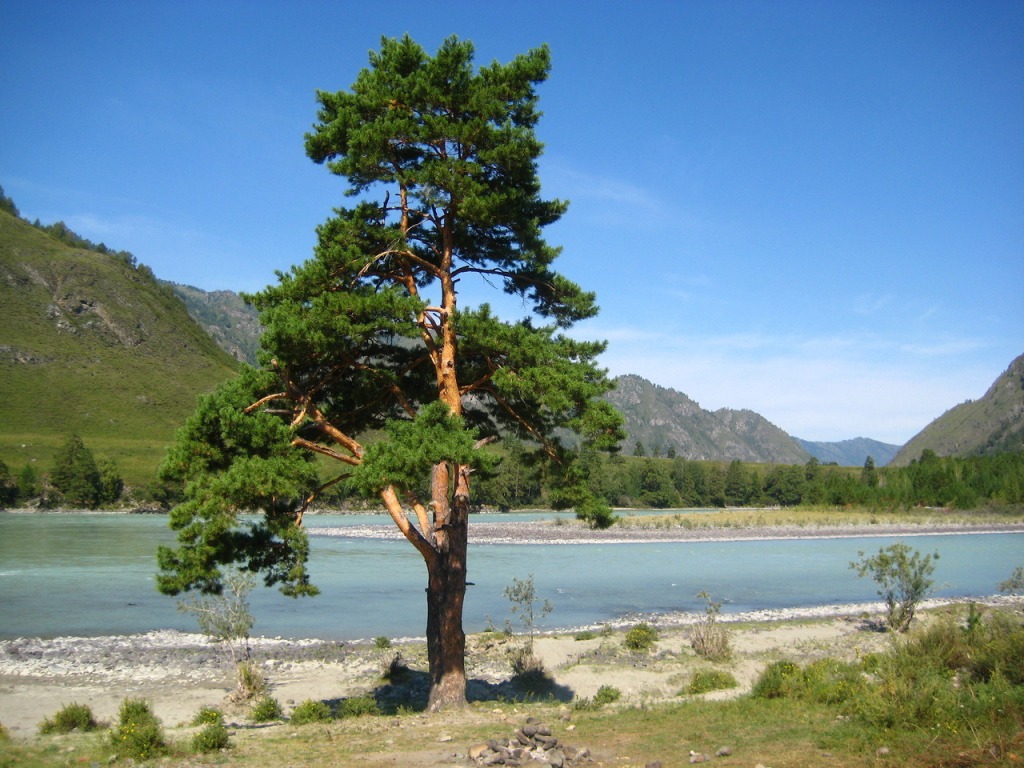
column 181, row 672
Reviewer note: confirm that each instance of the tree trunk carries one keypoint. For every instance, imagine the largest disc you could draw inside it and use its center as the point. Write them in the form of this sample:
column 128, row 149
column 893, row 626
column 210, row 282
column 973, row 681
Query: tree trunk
column 446, row 640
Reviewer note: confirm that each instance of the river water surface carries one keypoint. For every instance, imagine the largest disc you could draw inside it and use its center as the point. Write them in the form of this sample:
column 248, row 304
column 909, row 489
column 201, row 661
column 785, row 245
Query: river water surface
column 95, row 575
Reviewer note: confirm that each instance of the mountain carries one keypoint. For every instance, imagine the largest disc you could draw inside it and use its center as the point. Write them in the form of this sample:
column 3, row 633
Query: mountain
column 93, row 345
column 850, row 453
column 664, row 420
column 993, row 424
column 225, row 316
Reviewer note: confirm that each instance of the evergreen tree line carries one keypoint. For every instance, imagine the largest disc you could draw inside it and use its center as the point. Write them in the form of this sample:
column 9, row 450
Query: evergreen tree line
column 647, row 482
column 76, row 479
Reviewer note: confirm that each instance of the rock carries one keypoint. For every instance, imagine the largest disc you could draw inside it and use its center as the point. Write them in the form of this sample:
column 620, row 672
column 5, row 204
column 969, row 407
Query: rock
column 723, row 752
column 699, row 757
column 556, row 758
column 478, row 750
column 882, row 751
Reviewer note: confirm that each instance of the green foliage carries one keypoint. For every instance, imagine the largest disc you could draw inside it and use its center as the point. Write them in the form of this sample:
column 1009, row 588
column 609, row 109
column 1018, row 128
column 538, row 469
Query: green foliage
column 1015, row 584
column 523, row 598
column 383, row 642
column 138, row 734
column 72, row 717
column 357, row 706
column 75, row 475
column 902, row 575
column 213, row 738
column 706, row 680
column 250, row 682
column 709, row 638
column 266, row 710
column 586, row 634
column 641, row 637
column 8, row 487
column 226, row 618
column 311, row 711
column 208, row 716
column 779, row 680
column 606, row 694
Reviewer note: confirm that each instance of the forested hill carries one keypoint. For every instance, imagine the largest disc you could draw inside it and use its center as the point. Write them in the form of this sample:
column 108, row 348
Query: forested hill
column 665, row 422
column 91, row 344
column 994, row 424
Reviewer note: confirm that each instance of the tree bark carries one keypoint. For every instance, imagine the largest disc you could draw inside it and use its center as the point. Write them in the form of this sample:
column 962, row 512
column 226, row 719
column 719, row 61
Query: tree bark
column 446, row 595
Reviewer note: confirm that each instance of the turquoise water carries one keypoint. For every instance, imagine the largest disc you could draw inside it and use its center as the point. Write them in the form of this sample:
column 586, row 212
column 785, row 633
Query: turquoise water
column 94, row 575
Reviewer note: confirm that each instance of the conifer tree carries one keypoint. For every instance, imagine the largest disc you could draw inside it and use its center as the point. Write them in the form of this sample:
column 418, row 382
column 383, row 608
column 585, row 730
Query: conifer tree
column 369, row 336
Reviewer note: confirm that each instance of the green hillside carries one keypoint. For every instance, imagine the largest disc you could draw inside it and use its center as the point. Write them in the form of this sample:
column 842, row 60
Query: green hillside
column 92, row 345
column 985, row 427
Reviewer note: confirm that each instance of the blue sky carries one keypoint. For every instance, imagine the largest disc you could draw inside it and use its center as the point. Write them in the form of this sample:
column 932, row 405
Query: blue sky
column 814, row 210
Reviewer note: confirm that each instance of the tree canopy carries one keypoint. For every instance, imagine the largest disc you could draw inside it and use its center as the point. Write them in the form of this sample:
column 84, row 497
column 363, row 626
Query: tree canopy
column 370, row 362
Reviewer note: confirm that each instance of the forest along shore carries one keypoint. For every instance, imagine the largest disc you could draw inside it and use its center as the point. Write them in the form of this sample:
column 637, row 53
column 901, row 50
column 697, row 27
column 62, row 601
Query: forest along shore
column 572, row 532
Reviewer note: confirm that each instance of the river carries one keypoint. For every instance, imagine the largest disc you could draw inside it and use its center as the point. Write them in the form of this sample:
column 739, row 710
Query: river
column 91, row 575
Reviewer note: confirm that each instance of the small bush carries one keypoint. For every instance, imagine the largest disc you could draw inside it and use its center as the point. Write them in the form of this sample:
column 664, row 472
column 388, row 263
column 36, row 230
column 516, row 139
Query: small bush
column 777, row 681
column 641, row 637
column 208, row 716
column 395, row 669
column 523, row 661
column 586, row 634
column 212, row 738
column 266, row 710
column 138, row 735
column 358, row 705
column 4, row 735
column 705, row 680
column 382, row 642
column 311, row 711
column 708, row 638
column 250, row 682
column 73, row 717
column 607, row 694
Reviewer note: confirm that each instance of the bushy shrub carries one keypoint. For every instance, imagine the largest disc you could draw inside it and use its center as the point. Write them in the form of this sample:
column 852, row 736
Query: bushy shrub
column 311, row 711
column 250, row 682
column 382, row 642
column 641, row 637
column 777, row 681
column 208, row 716
column 212, row 738
column 356, row 706
column 586, row 634
column 705, row 680
column 138, row 735
column 73, row 717
column 266, row 710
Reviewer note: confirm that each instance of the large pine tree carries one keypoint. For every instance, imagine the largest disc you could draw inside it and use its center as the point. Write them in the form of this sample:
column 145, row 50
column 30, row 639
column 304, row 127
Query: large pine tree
column 368, row 338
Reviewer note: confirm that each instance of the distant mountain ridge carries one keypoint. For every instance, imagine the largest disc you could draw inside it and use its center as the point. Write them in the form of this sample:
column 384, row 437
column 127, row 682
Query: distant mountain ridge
column 225, row 316
column 664, row 420
column 851, row 453
column 992, row 424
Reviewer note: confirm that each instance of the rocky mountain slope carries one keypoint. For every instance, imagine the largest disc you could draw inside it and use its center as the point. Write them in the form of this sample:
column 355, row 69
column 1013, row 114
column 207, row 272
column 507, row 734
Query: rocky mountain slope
column 993, row 424
column 664, row 420
column 850, row 453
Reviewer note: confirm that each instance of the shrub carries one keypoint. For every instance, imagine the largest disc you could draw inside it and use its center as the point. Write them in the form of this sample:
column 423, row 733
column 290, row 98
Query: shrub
column 311, row 711
column 358, row 705
column 4, row 735
column 902, row 575
column 606, row 694
column 709, row 638
column 138, row 735
column 212, row 738
column 382, row 642
column 777, row 681
column 641, row 637
column 705, row 680
column 266, row 710
column 586, row 634
column 208, row 716
column 250, row 682
column 73, row 717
